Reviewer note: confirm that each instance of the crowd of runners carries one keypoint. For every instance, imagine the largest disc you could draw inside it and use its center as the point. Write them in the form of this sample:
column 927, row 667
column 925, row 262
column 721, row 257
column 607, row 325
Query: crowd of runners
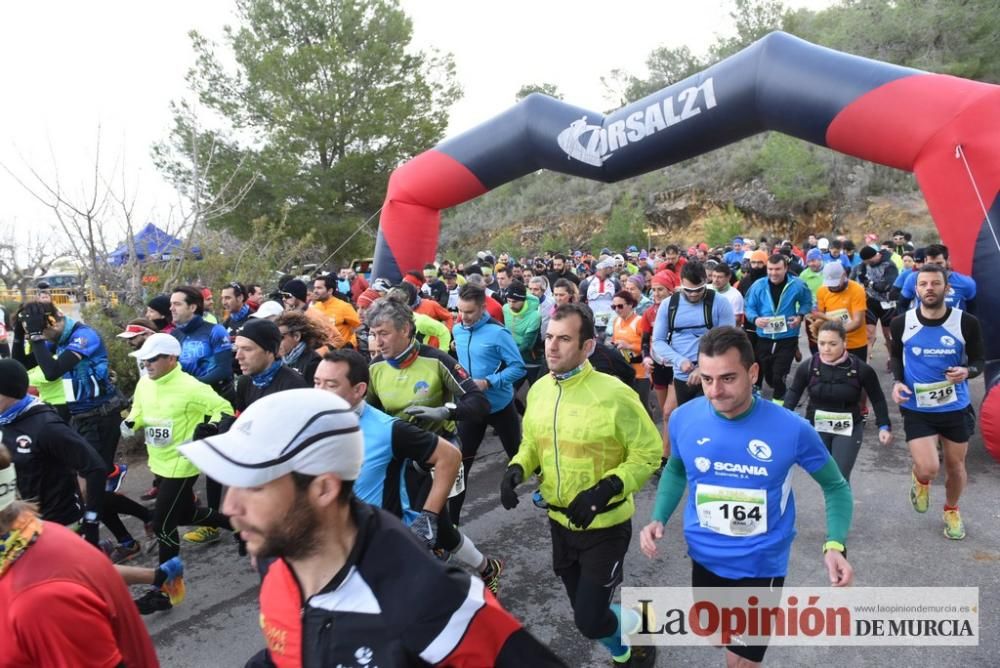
column 337, row 422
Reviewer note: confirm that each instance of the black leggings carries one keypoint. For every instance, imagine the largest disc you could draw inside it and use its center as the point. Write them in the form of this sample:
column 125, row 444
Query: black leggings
column 175, row 507
column 775, row 357
column 118, row 504
column 471, row 432
column 102, row 433
column 591, row 603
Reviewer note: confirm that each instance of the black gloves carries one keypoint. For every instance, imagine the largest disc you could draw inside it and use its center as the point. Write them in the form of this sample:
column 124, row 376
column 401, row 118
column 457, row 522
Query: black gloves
column 90, row 530
column 513, row 477
column 205, row 430
column 588, row 503
column 33, row 318
column 425, row 528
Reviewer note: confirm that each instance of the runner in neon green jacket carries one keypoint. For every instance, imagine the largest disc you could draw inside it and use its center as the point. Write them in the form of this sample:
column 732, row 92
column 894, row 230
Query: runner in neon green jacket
column 168, row 409
column 578, row 436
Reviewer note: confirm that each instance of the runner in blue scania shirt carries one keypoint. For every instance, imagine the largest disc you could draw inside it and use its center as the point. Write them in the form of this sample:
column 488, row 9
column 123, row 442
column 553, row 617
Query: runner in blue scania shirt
column 935, row 350
column 206, row 351
column 735, row 453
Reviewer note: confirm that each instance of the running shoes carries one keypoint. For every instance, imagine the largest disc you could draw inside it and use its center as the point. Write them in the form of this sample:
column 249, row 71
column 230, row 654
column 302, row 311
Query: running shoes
column 115, row 478
column 121, row 553
column 920, row 495
column 152, row 601
column 203, row 535
column 954, row 528
column 491, row 575
column 173, row 586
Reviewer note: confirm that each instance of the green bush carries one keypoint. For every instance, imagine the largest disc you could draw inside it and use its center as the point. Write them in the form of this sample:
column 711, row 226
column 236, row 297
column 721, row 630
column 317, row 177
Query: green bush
column 626, row 226
column 792, row 171
column 720, row 228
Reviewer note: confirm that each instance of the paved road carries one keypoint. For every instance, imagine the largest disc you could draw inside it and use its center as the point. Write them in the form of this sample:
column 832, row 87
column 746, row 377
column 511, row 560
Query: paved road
column 890, row 546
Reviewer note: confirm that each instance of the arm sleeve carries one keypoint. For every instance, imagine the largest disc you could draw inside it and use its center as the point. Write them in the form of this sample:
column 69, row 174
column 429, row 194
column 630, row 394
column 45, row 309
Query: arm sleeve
column 54, row 368
column 527, row 452
column 838, row 499
column 212, row 404
column 67, row 446
column 974, row 350
column 471, row 403
column 670, row 491
column 750, row 306
column 660, row 345
column 78, row 631
column 222, row 369
column 896, row 347
column 722, row 312
column 514, row 369
column 869, row 379
column 411, row 442
column 636, row 433
column 798, row 386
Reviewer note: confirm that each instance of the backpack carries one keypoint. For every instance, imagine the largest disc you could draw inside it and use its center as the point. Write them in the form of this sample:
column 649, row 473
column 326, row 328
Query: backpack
column 674, row 304
column 853, row 374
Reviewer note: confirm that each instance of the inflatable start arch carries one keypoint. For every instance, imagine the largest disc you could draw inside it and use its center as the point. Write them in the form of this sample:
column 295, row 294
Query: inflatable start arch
column 944, row 129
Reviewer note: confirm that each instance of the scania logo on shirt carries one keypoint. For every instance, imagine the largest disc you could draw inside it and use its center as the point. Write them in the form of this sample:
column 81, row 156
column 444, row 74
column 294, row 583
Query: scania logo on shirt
column 759, row 450
column 702, row 464
column 947, row 340
column 729, row 468
column 933, row 352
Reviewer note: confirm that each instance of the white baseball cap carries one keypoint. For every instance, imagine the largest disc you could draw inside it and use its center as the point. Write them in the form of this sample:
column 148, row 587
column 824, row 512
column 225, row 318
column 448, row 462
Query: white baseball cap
column 833, row 274
column 269, row 309
column 306, row 430
column 823, row 243
column 158, row 344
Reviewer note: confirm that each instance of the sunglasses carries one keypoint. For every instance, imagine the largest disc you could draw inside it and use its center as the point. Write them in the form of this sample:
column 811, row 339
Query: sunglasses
column 151, row 360
column 700, row 288
column 618, row 307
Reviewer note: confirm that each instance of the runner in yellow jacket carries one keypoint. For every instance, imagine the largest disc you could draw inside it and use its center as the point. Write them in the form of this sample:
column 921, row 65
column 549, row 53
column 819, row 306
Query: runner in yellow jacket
column 168, row 406
column 596, row 446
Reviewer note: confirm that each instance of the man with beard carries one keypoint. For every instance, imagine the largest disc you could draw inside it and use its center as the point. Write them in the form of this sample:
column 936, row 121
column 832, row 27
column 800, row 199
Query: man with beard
column 596, row 446
column 560, row 269
column 930, row 345
column 757, row 270
column 338, row 561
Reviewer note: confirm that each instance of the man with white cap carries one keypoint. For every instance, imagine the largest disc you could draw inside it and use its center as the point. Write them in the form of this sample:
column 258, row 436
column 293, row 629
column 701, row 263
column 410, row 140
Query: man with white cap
column 601, row 290
column 348, row 582
column 269, row 310
column 168, row 405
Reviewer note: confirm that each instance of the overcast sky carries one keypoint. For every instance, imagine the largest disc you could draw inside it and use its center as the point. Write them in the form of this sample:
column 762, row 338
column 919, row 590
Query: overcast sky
column 71, row 66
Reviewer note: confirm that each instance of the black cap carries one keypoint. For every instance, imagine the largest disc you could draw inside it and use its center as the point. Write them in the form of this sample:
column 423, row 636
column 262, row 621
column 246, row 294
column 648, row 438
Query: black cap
column 13, row 379
column 867, row 253
column 160, row 304
column 296, row 288
column 516, row 291
column 262, row 332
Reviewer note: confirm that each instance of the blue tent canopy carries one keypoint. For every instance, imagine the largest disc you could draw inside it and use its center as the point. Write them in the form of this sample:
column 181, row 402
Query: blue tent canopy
column 151, row 243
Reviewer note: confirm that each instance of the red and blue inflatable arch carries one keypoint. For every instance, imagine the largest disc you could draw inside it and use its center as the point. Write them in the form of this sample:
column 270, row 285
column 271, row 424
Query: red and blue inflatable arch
column 944, row 129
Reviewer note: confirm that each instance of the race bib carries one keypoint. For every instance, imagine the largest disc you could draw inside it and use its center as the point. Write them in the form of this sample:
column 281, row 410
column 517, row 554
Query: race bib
column 732, row 511
column 841, row 424
column 931, row 395
column 601, row 319
column 776, row 325
column 159, row 435
column 459, row 485
column 841, row 314
column 888, row 306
